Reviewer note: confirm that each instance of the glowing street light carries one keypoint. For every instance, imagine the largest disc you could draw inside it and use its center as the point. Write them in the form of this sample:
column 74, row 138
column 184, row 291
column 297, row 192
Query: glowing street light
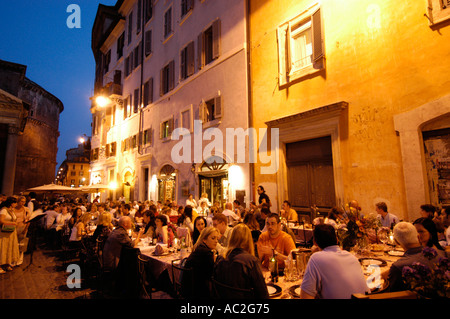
column 102, row 101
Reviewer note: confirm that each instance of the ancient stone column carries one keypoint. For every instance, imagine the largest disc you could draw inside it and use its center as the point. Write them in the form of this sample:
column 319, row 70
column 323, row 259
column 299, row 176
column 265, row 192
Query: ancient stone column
column 10, row 160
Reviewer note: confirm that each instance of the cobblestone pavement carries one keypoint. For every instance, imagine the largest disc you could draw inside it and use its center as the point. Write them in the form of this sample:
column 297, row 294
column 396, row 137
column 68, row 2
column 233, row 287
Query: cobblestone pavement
column 43, row 275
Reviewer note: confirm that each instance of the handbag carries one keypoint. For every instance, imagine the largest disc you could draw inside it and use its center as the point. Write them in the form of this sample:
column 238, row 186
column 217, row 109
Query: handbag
column 8, row 227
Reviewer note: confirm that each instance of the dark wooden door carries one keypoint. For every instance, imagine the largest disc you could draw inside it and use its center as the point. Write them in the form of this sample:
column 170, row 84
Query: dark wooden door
column 310, row 175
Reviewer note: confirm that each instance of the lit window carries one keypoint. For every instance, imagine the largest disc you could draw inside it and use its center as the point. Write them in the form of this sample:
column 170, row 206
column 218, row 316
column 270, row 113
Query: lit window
column 301, row 46
column 438, row 10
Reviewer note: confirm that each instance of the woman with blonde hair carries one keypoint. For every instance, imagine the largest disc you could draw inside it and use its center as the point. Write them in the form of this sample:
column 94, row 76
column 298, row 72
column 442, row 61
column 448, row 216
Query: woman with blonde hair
column 201, row 261
column 240, row 268
column 104, row 226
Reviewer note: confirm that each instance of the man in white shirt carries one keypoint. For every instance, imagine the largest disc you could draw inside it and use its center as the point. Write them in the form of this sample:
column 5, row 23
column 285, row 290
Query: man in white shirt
column 219, row 221
column 232, row 217
column 331, row 273
column 51, row 215
column 386, row 219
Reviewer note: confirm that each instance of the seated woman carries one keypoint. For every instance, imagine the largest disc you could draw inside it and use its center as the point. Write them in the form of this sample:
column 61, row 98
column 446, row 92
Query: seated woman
column 161, row 231
column 149, row 222
column 240, row 268
column 79, row 231
column 252, row 223
column 104, row 226
column 201, row 261
column 186, row 219
column 199, row 225
column 335, row 218
column 427, row 231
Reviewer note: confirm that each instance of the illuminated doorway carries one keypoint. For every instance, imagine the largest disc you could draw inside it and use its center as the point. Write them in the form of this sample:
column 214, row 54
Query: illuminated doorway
column 213, row 180
column 167, row 184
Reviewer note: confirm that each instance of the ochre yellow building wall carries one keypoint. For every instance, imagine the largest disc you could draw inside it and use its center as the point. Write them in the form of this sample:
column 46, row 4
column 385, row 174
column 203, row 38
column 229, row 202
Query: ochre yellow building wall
column 382, row 58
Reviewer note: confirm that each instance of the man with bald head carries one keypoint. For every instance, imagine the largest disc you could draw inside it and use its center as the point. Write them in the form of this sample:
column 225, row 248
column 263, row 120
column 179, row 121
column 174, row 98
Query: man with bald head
column 116, row 240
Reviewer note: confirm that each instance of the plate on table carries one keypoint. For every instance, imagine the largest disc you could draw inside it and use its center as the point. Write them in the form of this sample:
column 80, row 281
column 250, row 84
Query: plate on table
column 383, row 287
column 274, row 290
column 166, row 253
column 295, row 291
column 372, row 261
column 396, row 253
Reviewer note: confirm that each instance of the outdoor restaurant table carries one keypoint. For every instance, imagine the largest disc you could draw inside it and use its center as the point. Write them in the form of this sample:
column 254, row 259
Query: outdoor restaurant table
column 300, row 231
column 159, row 263
column 374, row 257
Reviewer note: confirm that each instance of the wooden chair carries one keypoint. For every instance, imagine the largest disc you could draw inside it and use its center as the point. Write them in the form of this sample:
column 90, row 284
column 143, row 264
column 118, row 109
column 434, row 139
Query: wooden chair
column 405, row 294
column 182, row 279
column 224, row 291
column 304, row 242
column 144, row 283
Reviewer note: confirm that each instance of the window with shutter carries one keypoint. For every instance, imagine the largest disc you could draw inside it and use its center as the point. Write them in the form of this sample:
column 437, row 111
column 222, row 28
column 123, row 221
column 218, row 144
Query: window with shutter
column 187, row 61
column 186, row 118
column 136, row 100
column 138, row 16
column 209, row 44
column 130, row 26
column 148, row 10
column 186, row 6
column 167, row 78
column 438, row 11
column 211, row 109
column 120, row 45
column 148, row 42
column 168, row 22
column 148, row 92
column 166, row 128
column 301, row 46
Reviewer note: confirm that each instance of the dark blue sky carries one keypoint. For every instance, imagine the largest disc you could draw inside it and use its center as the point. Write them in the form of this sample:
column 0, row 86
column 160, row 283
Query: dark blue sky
column 58, row 58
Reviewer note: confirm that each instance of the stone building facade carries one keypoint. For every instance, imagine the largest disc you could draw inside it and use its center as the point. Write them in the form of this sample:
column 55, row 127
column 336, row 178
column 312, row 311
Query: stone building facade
column 170, row 67
column 360, row 96
column 31, row 143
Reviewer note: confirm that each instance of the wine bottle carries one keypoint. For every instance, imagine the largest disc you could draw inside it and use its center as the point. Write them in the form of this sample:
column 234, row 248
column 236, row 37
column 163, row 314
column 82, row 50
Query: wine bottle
column 273, row 266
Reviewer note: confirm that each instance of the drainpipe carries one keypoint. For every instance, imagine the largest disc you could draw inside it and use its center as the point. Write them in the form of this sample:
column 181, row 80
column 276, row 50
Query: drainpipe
column 141, row 88
column 249, row 93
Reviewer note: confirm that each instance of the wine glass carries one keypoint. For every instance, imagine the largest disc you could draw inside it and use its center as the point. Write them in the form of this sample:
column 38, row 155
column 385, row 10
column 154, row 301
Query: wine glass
column 383, row 236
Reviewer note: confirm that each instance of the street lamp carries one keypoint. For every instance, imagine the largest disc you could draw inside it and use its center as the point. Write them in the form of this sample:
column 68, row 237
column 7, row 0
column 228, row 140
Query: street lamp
column 102, row 101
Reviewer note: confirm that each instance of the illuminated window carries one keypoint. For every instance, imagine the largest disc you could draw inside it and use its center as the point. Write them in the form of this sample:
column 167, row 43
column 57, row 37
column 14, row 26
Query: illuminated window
column 438, row 10
column 301, row 46
column 165, row 129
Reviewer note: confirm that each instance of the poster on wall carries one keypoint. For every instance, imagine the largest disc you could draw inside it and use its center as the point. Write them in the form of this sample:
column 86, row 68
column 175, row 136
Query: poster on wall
column 437, row 157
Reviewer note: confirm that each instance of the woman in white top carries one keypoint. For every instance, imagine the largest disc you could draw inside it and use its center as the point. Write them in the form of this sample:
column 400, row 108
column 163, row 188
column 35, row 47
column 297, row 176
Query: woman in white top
column 79, row 230
column 191, row 201
column 9, row 245
column 161, row 231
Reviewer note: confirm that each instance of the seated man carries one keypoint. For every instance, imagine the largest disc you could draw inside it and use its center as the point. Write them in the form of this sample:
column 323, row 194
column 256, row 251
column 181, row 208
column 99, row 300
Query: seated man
column 331, row 273
column 386, row 219
column 289, row 213
column 116, row 240
column 406, row 235
column 274, row 238
column 232, row 216
column 220, row 222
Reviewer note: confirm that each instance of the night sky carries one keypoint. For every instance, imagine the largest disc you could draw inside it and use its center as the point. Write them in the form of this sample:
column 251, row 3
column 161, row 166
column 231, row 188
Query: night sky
column 58, row 58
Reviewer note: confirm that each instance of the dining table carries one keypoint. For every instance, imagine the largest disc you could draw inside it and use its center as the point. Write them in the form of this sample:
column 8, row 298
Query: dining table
column 303, row 233
column 375, row 264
